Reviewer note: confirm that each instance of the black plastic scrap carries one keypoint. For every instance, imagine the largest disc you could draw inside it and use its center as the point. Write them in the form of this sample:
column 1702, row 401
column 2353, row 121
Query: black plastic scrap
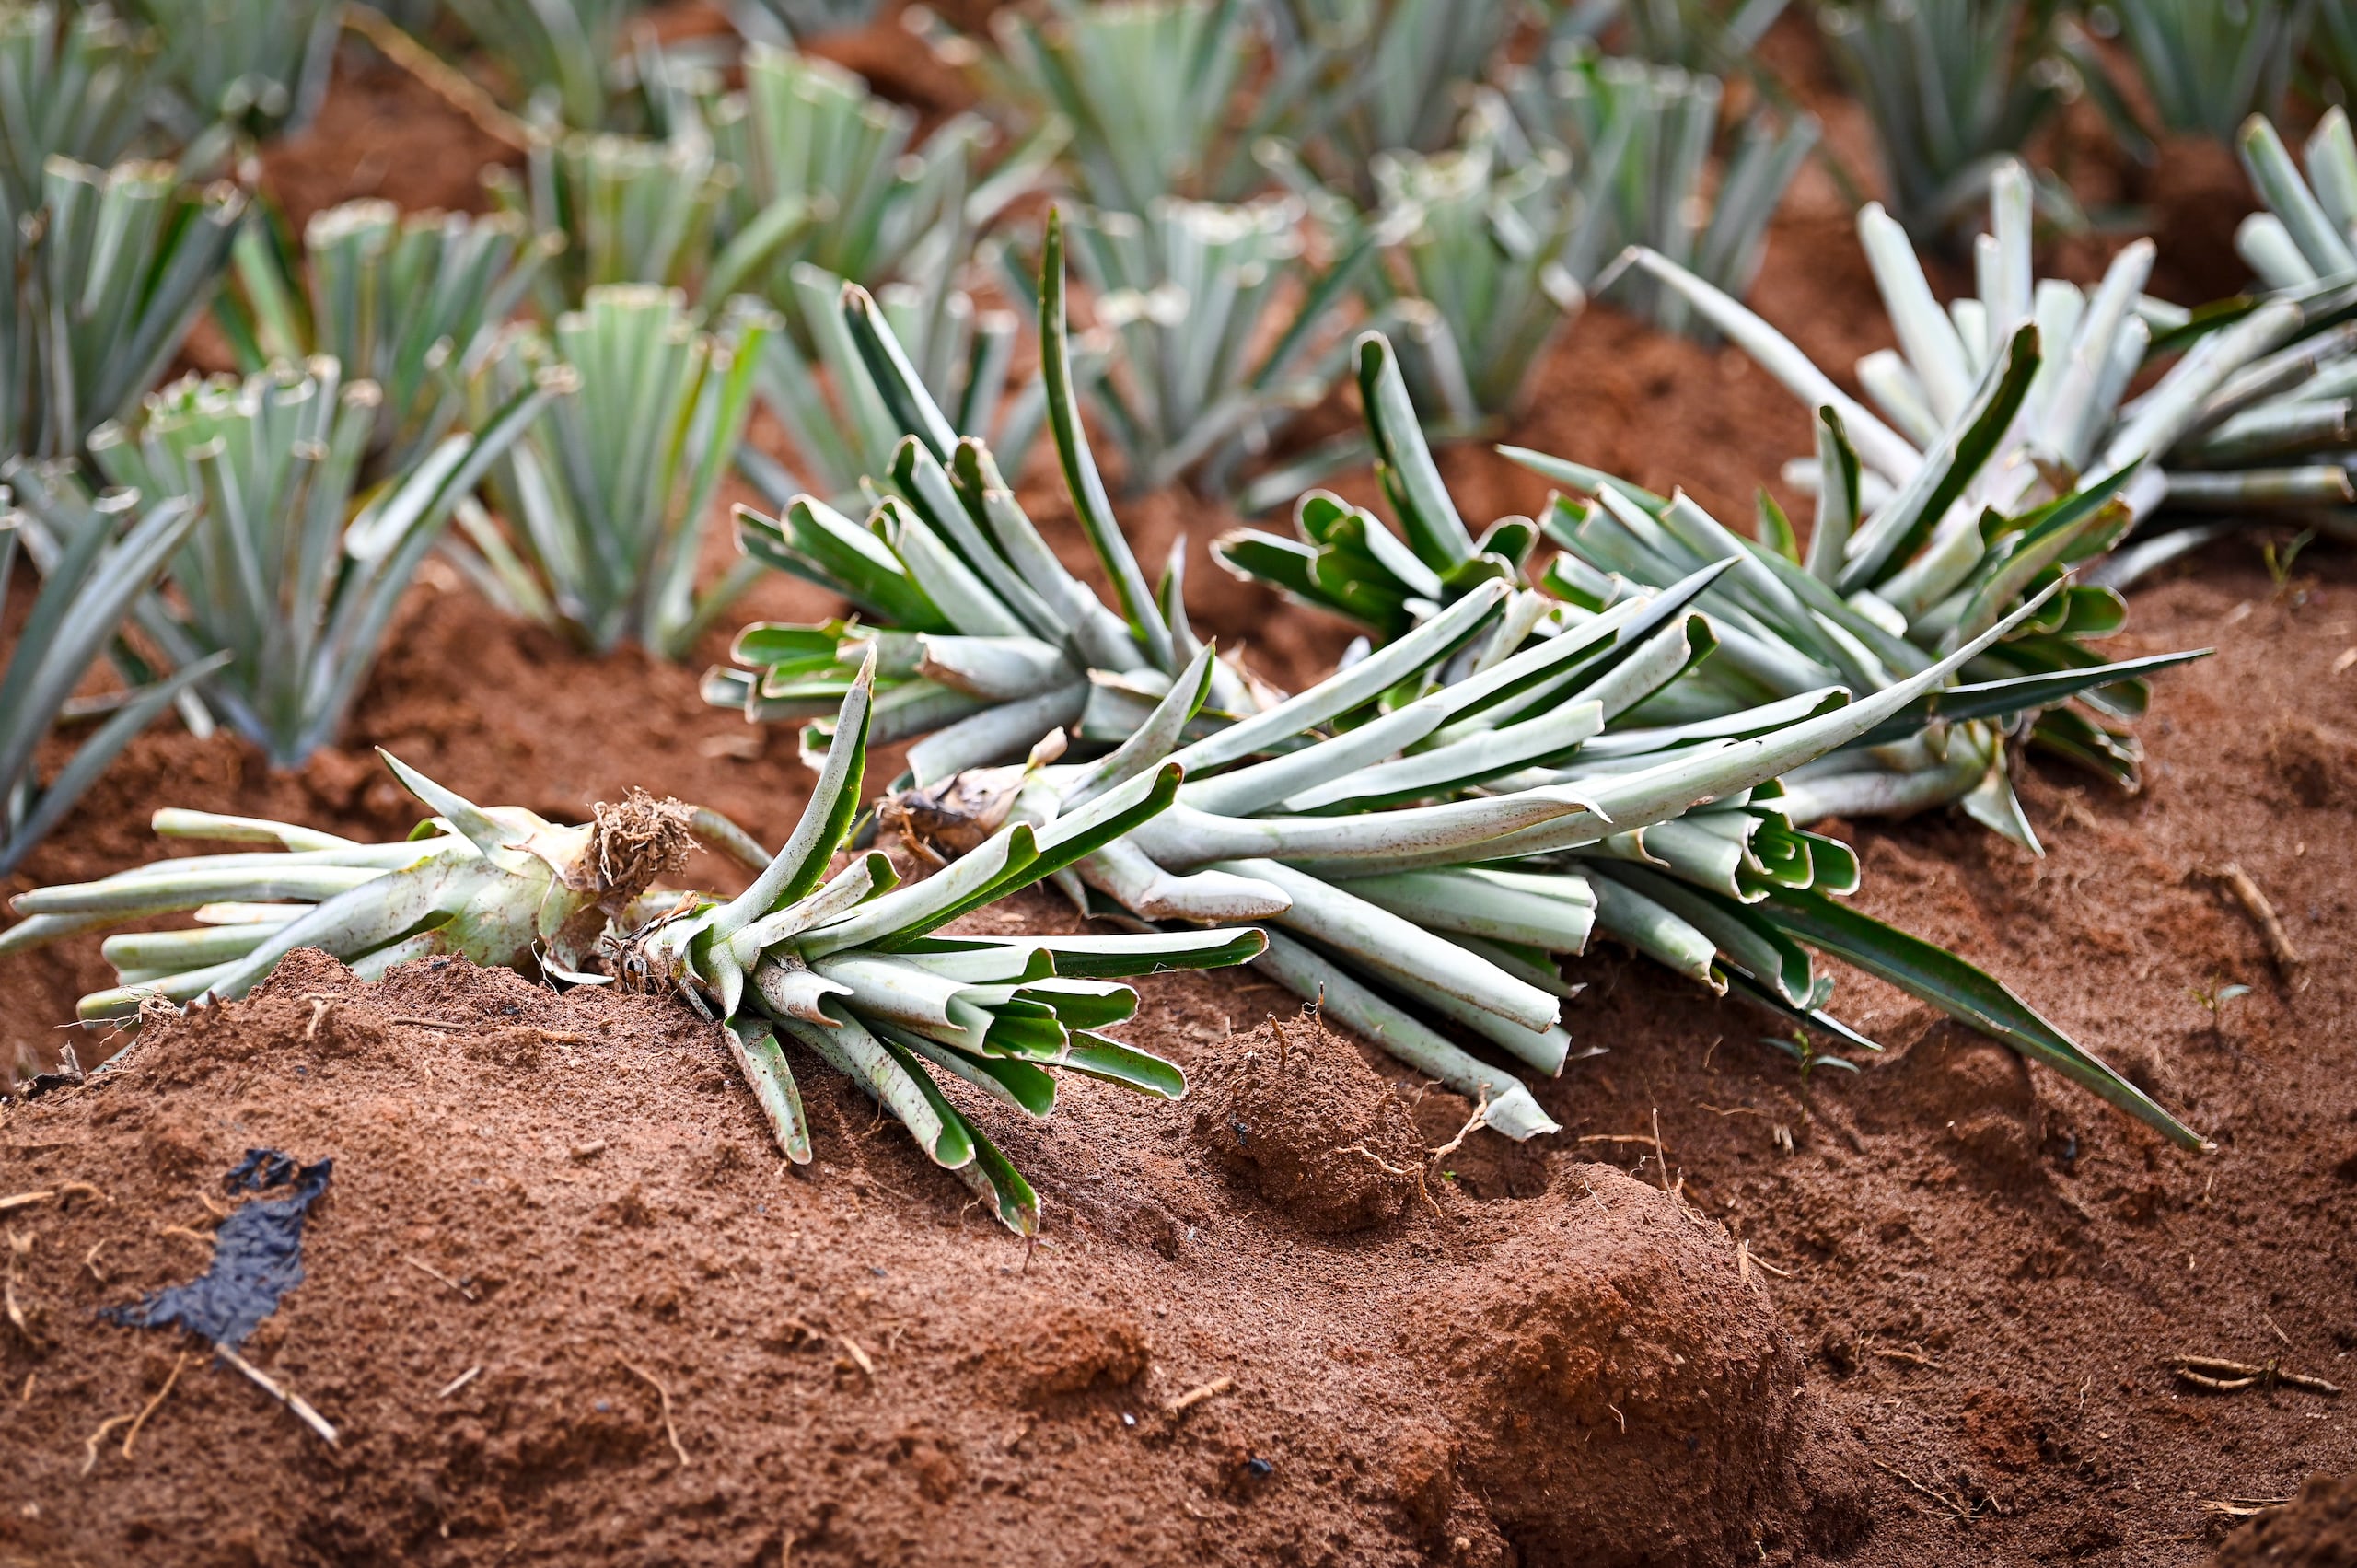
column 257, row 1256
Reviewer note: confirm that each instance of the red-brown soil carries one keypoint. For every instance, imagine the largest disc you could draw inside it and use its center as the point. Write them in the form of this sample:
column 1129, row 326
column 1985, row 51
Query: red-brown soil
column 1971, row 1273
column 859, row 1366
column 2319, row 1530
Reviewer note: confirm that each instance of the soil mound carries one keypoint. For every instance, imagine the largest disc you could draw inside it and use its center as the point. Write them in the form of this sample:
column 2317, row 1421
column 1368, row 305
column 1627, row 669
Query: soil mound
column 563, row 1303
column 1631, row 1396
column 1297, row 1114
column 2316, row 1529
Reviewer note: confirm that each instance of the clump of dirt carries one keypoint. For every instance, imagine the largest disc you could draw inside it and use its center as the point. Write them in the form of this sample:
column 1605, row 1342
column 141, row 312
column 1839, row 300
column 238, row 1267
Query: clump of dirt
column 1631, row 1396
column 1980, row 1096
column 2316, row 764
column 1297, row 1114
column 1072, row 1350
column 2316, row 1529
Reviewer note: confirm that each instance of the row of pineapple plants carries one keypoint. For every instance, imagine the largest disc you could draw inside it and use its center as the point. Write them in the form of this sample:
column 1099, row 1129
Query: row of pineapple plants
column 1411, row 842
column 1486, row 814
column 540, row 379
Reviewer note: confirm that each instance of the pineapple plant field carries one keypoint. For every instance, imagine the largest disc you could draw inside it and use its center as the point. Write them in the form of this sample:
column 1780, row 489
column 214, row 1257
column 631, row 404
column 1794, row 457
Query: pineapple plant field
column 1177, row 781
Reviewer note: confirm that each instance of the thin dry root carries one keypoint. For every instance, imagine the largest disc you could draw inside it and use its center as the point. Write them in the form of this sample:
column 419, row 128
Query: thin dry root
column 669, row 1431
column 1201, row 1392
column 2287, row 958
column 432, row 1273
column 90, row 1444
column 288, row 1396
column 17, row 1246
column 161, row 1394
column 447, row 83
column 2213, row 1375
column 1473, row 1124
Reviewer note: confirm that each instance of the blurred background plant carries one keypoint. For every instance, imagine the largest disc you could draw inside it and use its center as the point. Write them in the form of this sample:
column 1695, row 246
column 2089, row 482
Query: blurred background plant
column 1146, row 90
column 559, row 58
column 288, row 569
column 1367, row 76
column 258, row 65
column 104, row 281
column 607, row 497
column 791, row 22
column 2207, row 65
column 876, row 203
column 74, row 84
column 89, row 580
column 614, row 209
column 409, row 302
column 1645, row 148
column 1476, row 244
column 2333, row 55
column 841, row 431
column 1700, row 35
column 1216, row 328
column 899, row 216
column 1952, row 89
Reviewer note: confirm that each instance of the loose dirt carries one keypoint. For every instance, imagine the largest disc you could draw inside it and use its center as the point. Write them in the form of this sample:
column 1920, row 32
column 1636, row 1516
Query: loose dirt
column 564, row 1303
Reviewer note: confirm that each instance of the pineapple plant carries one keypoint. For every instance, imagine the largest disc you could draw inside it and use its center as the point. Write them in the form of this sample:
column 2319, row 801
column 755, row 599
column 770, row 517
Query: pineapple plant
column 1478, row 246
column 2003, row 447
column 1471, row 724
column 411, row 302
column 88, row 585
column 105, row 280
column 784, row 21
column 1142, row 95
column 1953, row 88
column 559, row 58
column 1641, row 141
column 984, row 641
column 606, row 496
column 898, row 216
column 72, row 79
column 290, row 569
column 613, row 209
column 1222, row 328
column 1381, row 75
column 257, row 66
column 1425, row 865
column 842, row 963
column 2208, row 68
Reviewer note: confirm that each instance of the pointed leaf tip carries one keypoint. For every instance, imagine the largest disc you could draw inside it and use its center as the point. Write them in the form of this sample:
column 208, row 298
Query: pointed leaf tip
column 462, row 814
